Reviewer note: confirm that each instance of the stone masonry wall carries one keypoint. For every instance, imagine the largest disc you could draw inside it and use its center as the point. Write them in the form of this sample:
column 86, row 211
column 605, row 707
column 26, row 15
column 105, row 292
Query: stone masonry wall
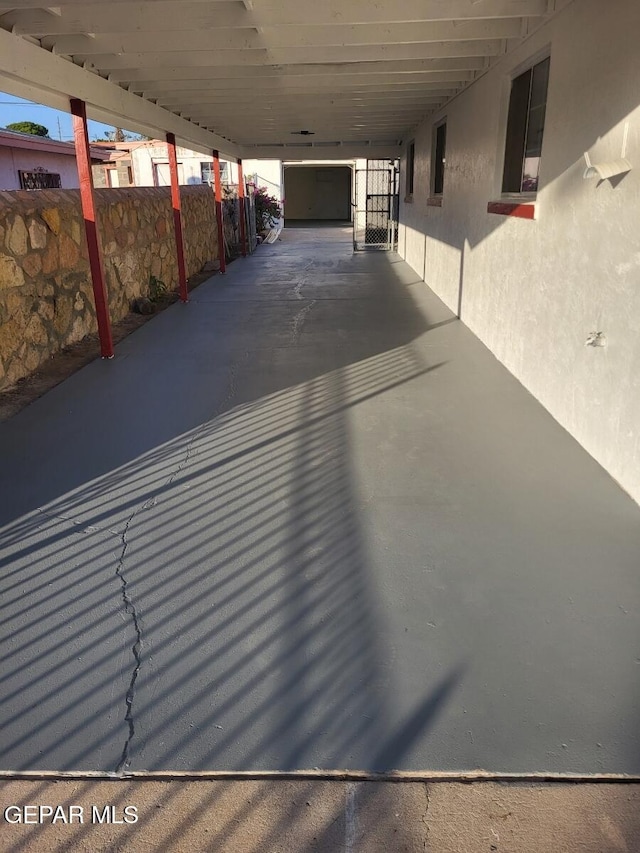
column 199, row 226
column 46, row 296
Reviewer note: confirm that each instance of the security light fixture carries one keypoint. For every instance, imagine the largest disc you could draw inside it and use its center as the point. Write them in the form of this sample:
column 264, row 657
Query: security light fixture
column 605, row 171
column 613, row 168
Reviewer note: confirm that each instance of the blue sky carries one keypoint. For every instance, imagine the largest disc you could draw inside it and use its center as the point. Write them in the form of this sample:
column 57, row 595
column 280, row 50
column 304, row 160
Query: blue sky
column 59, row 123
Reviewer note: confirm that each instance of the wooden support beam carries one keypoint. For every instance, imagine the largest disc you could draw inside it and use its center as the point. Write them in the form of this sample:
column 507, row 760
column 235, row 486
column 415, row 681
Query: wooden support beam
column 191, row 103
column 339, row 151
column 218, row 196
column 87, row 199
column 153, row 59
column 318, row 37
column 232, row 90
column 349, row 73
column 177, row 216
column 241, row 197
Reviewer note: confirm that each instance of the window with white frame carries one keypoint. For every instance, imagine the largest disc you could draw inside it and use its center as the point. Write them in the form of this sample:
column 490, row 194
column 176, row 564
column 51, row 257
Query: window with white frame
column 438, row 158
column 525, row 129
column 206, row 172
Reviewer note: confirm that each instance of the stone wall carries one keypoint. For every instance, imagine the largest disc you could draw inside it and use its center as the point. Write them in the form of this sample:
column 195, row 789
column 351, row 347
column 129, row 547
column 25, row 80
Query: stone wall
column 199, row 226
column 46, row 296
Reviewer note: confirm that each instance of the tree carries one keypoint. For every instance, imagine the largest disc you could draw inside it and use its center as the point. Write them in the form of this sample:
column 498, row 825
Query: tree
column 119, row 135
column 29, row 127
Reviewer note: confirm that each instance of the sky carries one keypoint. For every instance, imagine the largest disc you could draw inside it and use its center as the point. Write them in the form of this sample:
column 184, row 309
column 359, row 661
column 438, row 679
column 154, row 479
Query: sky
column 59, row 123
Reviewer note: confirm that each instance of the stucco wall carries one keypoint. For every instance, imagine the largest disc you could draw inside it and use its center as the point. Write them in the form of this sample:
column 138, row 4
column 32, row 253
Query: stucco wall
column 12, row 159
column 144, row 157
column 268, row 173
column 533, row 291
column 46, row 296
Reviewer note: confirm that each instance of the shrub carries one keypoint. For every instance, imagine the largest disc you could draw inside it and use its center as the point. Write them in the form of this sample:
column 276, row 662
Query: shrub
column 157, row 289
column 267, row 209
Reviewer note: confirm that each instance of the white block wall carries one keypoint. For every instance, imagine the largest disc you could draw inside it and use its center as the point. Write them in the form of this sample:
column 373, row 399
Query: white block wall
column 533, row 291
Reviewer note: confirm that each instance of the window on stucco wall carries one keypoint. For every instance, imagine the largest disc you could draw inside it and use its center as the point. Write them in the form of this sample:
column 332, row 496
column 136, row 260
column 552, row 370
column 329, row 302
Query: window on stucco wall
column 525, row 129
column 439, row 158
column 411, row 156
column 39, row 180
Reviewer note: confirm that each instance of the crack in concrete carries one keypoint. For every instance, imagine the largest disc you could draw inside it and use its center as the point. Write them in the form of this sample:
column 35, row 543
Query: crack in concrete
column 129, row 607
column 303, row 280
column 298, row 322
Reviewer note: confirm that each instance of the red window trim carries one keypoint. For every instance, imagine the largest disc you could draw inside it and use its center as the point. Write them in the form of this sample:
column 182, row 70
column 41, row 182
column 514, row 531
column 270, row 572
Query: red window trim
column 512, row 208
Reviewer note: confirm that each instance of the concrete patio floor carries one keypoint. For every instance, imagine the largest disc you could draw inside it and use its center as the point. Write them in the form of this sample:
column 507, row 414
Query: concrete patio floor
column 308, row 521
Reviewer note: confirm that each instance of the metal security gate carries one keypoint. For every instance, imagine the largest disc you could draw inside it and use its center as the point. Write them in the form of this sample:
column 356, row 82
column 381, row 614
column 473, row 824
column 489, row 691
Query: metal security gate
column 375, row 206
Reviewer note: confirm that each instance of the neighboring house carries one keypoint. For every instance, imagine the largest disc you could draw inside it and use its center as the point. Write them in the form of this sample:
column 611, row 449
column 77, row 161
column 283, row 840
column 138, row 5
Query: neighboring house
column 145, row 163
column 30, row 162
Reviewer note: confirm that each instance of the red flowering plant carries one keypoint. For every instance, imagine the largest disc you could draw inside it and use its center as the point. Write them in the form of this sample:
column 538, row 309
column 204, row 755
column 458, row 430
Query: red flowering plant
column 267, row 209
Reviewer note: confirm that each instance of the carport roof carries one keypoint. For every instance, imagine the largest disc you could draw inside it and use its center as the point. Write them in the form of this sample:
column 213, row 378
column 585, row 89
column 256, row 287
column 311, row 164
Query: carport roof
column 246, row 76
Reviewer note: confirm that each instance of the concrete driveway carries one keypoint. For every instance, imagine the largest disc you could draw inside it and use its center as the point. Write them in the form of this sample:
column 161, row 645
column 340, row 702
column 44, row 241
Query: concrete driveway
column 308, row 521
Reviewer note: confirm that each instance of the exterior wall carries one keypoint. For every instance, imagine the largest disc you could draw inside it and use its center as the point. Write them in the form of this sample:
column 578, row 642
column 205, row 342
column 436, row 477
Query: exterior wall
column 265, row 173
column 149, row 164
column 145, row 157
column 318, row 192
column 46, row 296
column 233, row 172
column 533, row 291
column 13, row 159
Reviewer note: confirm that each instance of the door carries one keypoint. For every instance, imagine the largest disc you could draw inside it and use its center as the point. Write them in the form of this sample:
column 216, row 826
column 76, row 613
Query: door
column 375, row 217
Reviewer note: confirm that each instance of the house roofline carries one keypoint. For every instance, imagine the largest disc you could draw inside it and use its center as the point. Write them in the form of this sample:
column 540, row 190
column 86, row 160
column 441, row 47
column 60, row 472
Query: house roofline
column 12, row 139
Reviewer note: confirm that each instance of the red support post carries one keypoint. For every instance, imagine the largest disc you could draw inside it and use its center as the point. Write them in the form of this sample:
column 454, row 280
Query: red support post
column 177, row 216
column 218, row 196
column 243, row 229
column 87, row 198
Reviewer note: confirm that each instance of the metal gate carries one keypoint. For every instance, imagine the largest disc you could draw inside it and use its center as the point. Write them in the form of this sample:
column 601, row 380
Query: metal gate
column 375, row 206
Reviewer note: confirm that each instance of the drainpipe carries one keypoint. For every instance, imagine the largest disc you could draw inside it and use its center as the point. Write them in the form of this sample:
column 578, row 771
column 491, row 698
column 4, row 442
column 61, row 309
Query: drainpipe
column 87, row 199
column 177, row 216
column 218, row 197
column 243, row 229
